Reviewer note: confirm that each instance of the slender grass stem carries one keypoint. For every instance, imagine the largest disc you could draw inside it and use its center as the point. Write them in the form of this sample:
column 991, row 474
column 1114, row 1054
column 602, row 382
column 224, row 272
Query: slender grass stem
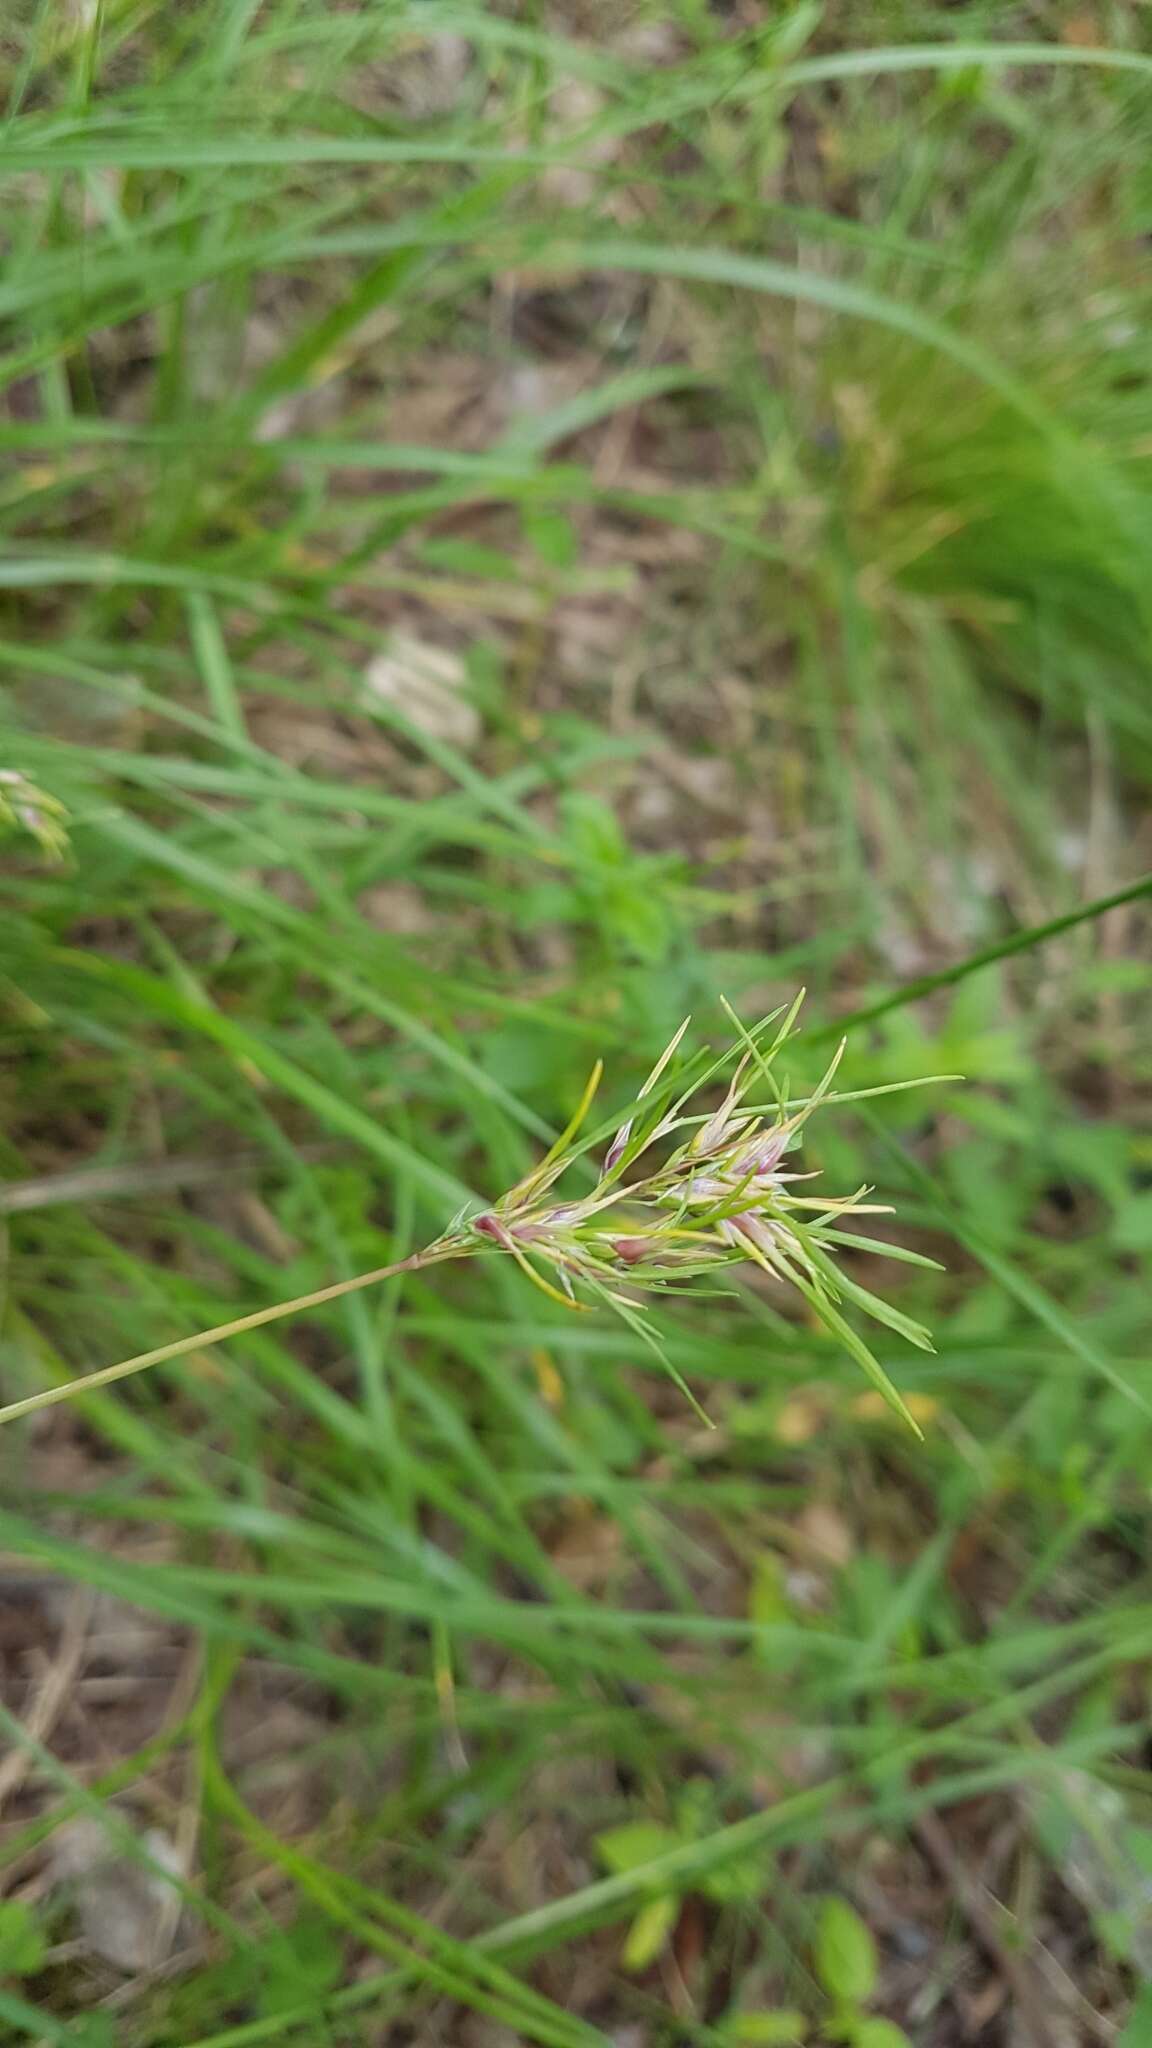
column 220, row 1334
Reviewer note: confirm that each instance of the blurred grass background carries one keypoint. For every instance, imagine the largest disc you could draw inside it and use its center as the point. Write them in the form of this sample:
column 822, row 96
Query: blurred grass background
column 514, row 524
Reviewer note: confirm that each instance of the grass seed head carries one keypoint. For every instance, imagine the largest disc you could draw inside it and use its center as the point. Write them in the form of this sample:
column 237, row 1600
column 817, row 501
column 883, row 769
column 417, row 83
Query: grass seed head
column 718, row 1197
column 25, row 807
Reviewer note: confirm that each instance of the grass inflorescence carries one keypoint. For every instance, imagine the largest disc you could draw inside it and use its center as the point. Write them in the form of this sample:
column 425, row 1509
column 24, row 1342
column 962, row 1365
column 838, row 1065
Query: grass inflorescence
column 717, row 1198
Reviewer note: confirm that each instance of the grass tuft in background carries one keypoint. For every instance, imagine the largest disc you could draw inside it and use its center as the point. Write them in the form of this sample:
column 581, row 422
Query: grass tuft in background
column 514, row 524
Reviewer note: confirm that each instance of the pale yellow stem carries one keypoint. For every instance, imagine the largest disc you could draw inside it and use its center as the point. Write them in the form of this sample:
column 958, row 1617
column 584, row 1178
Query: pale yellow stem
column 222, row 1331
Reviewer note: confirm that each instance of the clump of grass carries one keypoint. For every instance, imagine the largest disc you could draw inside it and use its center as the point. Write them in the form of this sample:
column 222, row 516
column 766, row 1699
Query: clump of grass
column 862, row 410
column 721, row 1196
